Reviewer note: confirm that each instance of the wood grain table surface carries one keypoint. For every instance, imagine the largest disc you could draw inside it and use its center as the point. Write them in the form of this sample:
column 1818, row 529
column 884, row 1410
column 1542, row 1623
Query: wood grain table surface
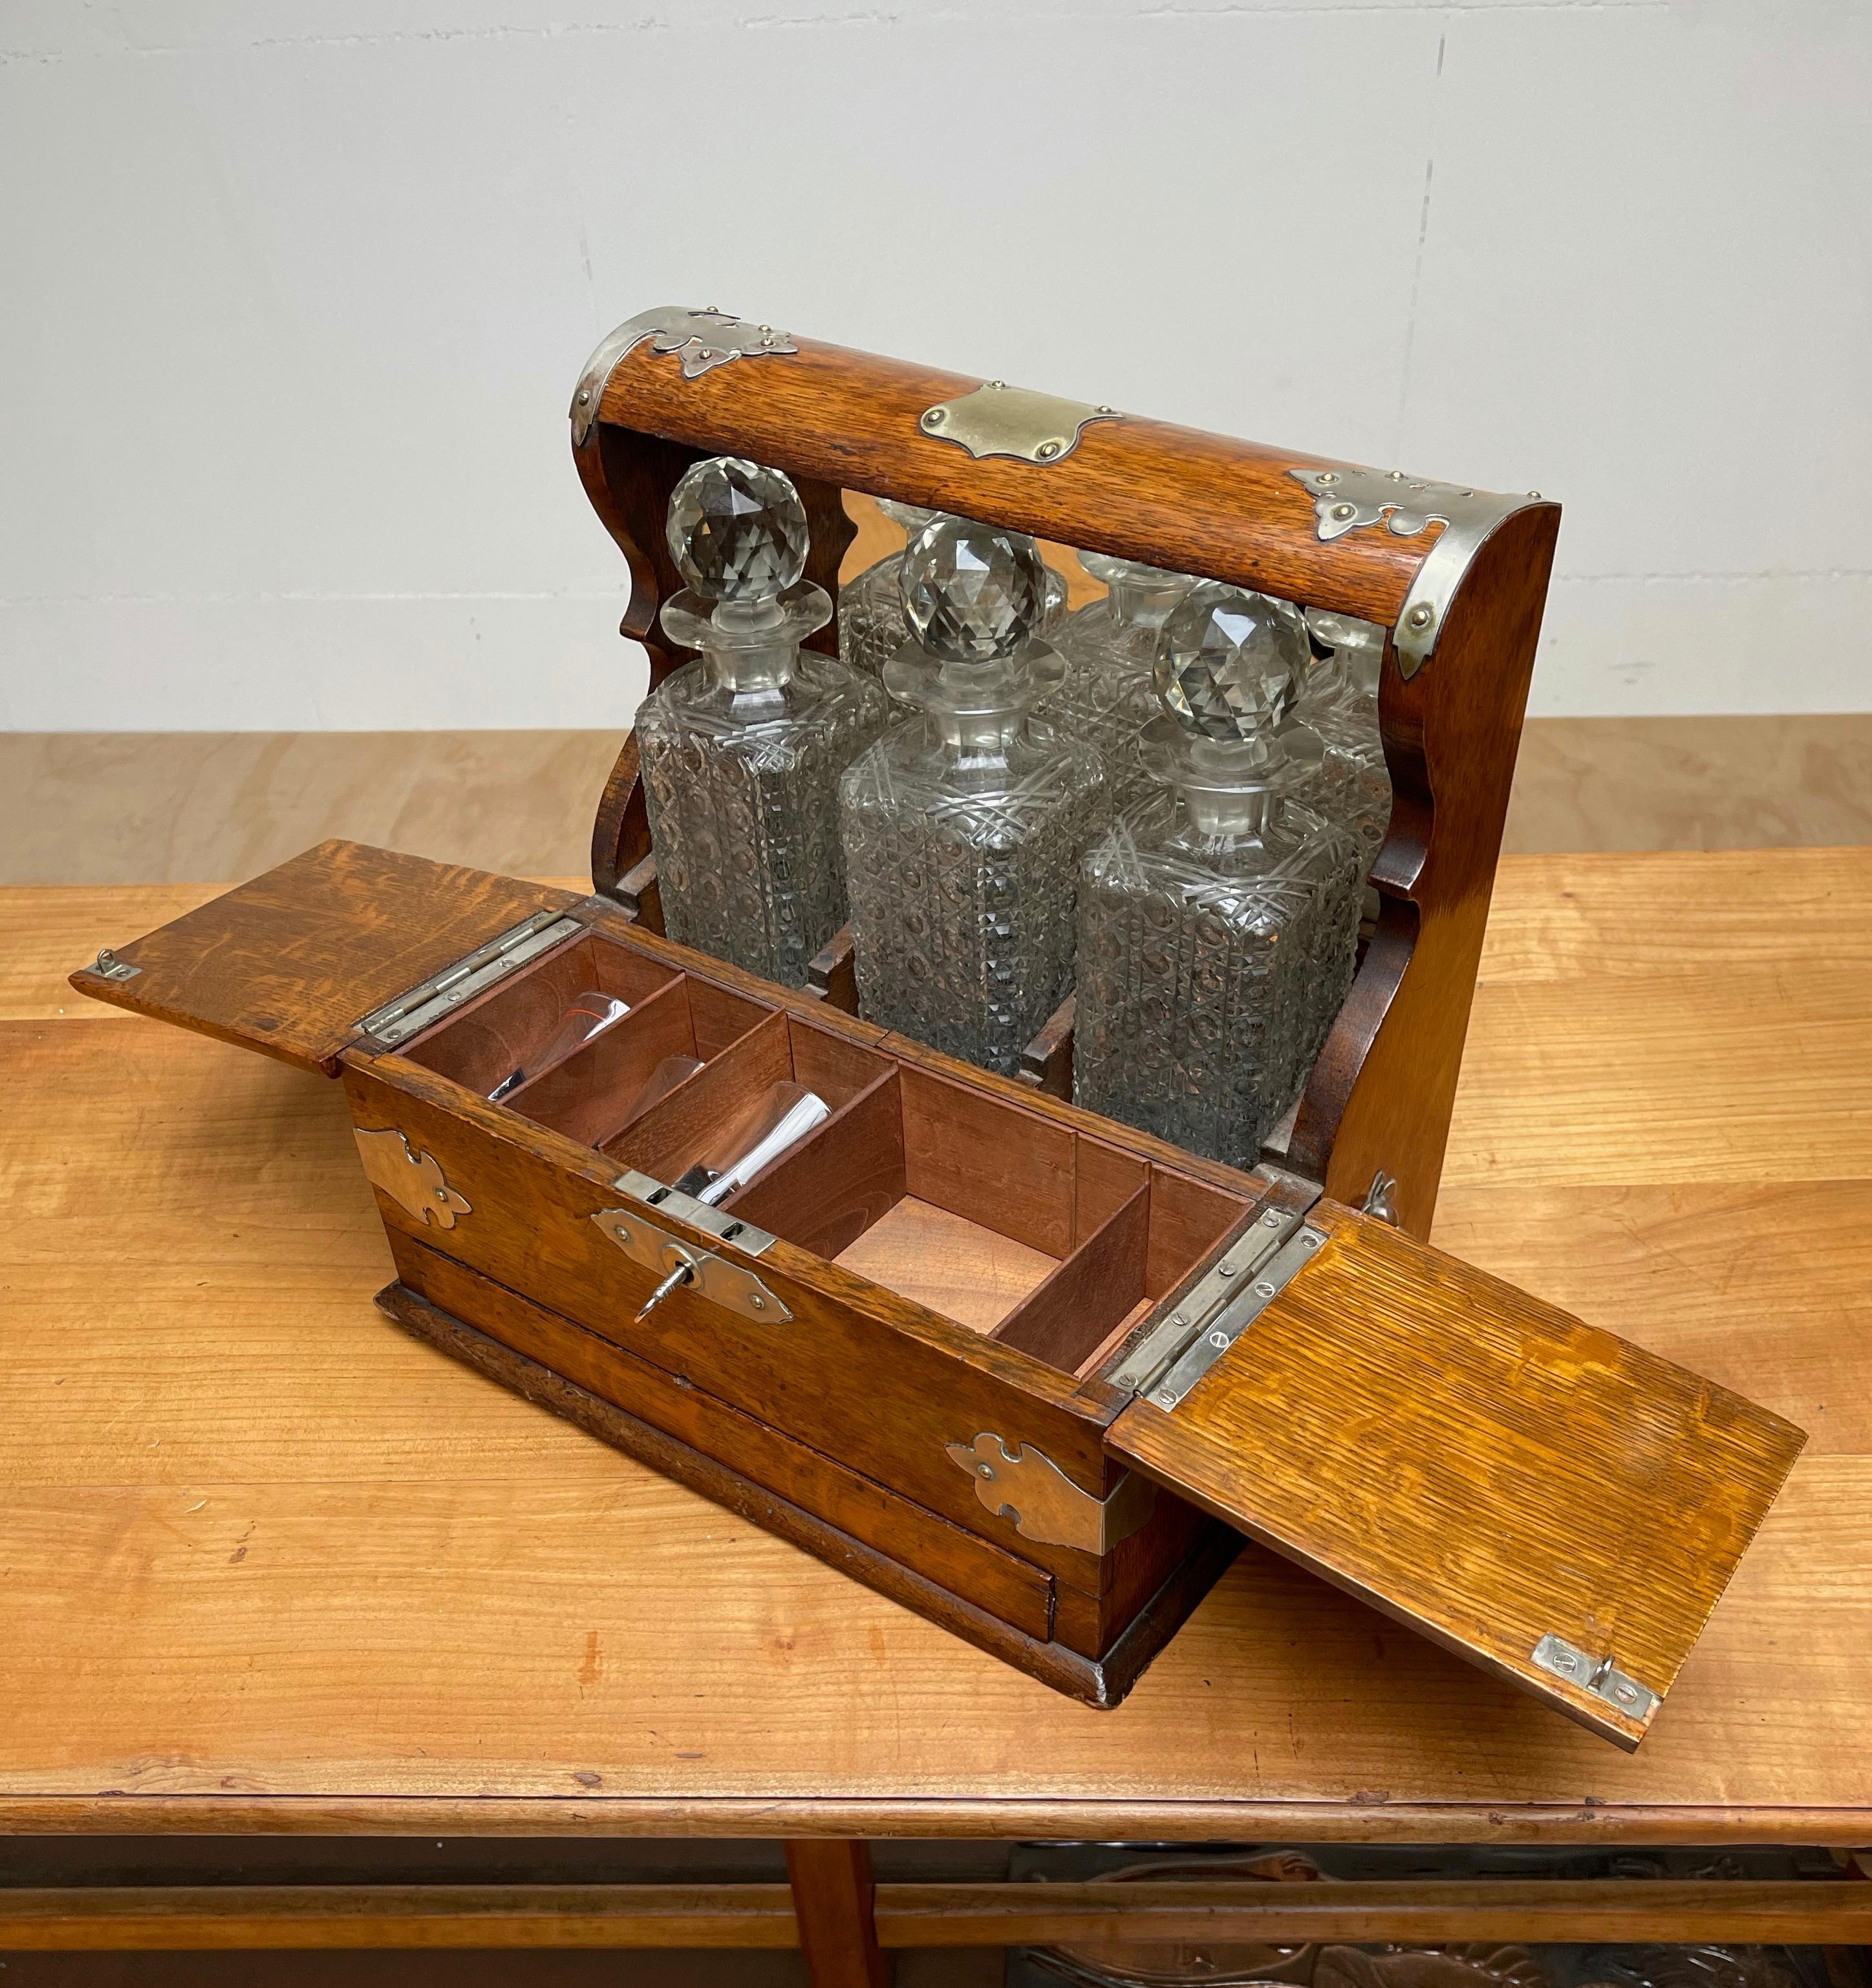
column 266, row 1564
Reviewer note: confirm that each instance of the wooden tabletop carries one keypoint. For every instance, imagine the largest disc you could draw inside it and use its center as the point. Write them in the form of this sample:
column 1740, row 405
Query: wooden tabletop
column 269, row 1564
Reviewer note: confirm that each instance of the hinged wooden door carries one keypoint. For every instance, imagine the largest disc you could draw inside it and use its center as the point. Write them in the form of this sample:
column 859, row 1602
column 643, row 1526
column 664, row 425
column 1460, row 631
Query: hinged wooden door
column 291, row 963
column 1545, row 1499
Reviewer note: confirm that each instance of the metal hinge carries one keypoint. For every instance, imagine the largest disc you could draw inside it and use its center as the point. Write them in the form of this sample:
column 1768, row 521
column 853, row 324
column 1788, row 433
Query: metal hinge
column 428, row 1002
column 1026, row 1486
column 1221, row 1287
column 1596, row 1674
column 678, row 1264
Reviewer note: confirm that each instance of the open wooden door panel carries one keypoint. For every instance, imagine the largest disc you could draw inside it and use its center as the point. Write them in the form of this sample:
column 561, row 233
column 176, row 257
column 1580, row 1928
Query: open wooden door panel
column 290, row 963
column 1545, row 1499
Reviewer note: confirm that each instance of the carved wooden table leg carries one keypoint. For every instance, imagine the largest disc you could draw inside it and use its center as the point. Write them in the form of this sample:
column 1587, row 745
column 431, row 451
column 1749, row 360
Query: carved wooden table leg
column 833, row 1891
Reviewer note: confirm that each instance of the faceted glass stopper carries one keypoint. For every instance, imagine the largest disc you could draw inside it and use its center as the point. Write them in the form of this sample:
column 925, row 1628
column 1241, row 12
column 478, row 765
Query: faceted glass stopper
column 737, row 529
column 973, row 593
column 1225, row 664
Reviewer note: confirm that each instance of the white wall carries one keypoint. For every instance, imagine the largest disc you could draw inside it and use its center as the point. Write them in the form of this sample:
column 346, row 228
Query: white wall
column 292, row 299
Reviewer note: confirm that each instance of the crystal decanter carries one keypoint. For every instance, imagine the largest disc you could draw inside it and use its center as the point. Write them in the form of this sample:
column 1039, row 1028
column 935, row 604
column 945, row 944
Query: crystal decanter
column 1107, row 698
column 1219, row 914
column 1341, row 703
column 742, row 748
column 963, row 826
column 872, row 628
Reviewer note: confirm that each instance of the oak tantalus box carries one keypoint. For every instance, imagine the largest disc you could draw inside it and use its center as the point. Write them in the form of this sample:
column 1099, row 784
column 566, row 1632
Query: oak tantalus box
column 1054, row 1460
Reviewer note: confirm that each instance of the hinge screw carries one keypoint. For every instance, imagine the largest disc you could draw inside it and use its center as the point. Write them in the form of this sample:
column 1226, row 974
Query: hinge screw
column 1164, row 1399
column 1420, row 617
column 1219, row 1340
column 1047, row 450
column 1226, row 1269
column 1263, row 1288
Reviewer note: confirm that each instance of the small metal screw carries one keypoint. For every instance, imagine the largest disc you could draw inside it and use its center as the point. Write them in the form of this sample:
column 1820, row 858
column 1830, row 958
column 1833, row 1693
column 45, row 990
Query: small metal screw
column 1226, row 1269
column 584, row 396
column 1218, row 1339
column 714, row 310
column 1397, row 476
column 708, row 352
column 442, row 1194
column 1049, row 449
column 735, row 351
column 757, row 1301
column 998, row 384
column 1533, row 493
column 766, row 327
column 1328, row 476
column 1164, row 1399
column 1262, row 1288
column 1624, row 1694
column 1565, row 1662
column 1343, row 510
column 1309, row 1240
column 1104, row 409
column 1271, row 1219
column 767, row 338
column 985, row 1470
column 1420, row 617
column 934, row 419
column 1177, row 1318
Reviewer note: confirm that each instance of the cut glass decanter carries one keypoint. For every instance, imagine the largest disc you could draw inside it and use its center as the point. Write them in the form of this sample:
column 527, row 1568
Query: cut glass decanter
column 742, row 748
column 1219, row 914
column 1341, row 703
column 872, row 628
column 1107, row 698
column 963, row 826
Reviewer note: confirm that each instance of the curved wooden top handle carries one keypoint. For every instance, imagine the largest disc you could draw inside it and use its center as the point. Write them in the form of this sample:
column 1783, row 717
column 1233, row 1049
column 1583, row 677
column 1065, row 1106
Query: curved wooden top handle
column 1142, row 489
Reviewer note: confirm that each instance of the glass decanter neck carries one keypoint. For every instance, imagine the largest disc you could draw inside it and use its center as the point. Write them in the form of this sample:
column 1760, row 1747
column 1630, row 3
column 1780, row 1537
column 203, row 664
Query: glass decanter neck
column 751, row 645
column 1228, row 790
column 1144, row 603
column 747, row 647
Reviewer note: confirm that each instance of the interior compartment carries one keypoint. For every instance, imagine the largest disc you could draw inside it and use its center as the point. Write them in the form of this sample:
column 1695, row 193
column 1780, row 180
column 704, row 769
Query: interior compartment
column 599, row 1090
column 488, row 1038
column 967, row 1202
column 1021, row 1229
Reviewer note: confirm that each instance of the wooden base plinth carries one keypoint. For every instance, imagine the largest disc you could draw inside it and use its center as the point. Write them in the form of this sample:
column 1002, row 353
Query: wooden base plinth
column 1102, row 1682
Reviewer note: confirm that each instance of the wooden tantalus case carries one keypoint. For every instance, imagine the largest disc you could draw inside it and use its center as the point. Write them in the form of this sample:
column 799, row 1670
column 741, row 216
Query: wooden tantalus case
column 1030, row 1372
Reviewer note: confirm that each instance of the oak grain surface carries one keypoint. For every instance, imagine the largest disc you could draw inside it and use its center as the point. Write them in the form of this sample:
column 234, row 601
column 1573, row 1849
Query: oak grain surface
column 272, row 1564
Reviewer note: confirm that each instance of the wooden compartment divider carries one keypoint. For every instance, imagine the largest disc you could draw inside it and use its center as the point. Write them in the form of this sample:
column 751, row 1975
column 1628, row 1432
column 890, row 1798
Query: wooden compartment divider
column 1091, row 1293
column 590, row 1095
column 666, row 1139
column 839, row 1180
